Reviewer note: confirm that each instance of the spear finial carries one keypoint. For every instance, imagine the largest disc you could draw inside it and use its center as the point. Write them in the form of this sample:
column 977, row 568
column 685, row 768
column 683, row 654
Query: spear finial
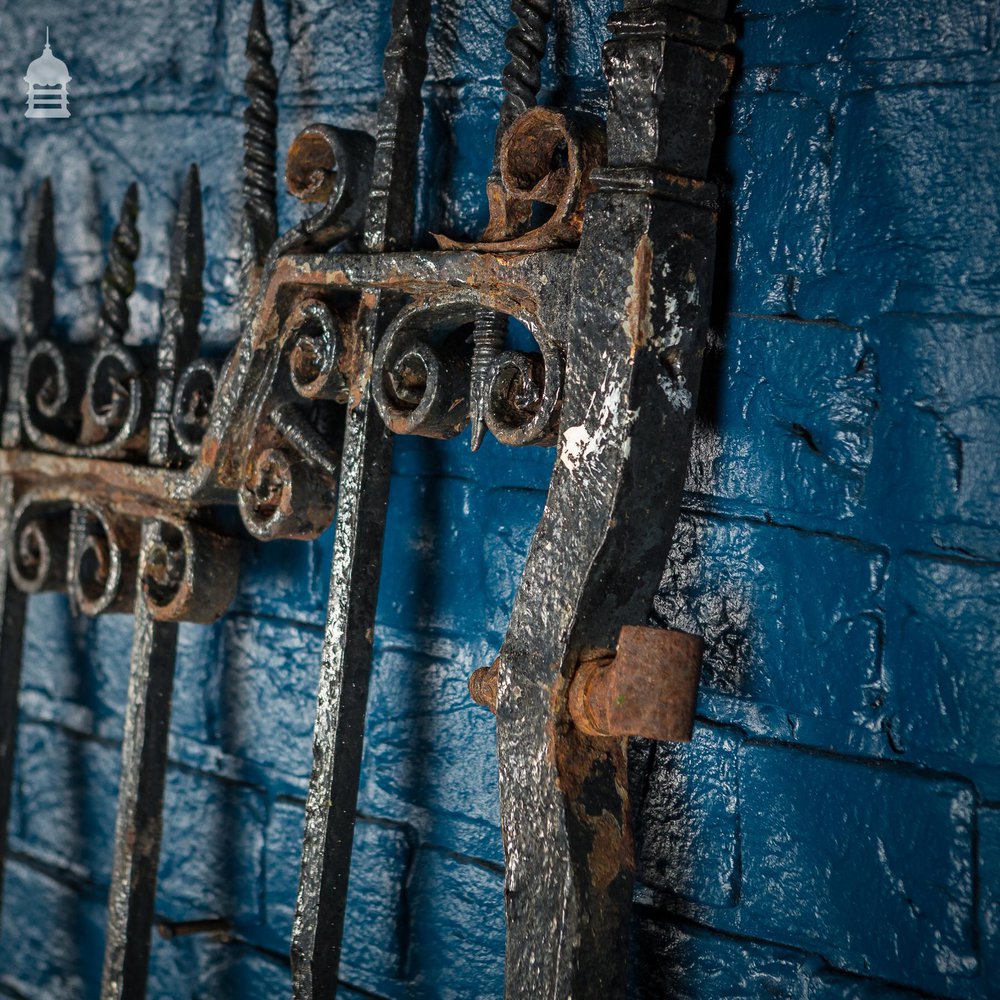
column 35, row 304
column 183, row 299
column 118, row 281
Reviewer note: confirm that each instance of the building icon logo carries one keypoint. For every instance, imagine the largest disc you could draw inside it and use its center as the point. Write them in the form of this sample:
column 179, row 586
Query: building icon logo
column 48, row 86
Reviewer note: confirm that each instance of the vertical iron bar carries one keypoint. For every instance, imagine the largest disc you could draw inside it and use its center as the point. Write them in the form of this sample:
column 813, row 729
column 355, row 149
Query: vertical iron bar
column 139, row 822
column 357, row 554
column 13, row 605
column 639, row 315
column 35, row 309
column 522, row 79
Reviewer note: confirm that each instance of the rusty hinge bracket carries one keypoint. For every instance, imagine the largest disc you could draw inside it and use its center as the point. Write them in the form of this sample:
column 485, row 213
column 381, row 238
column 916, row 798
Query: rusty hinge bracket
column 115, row 458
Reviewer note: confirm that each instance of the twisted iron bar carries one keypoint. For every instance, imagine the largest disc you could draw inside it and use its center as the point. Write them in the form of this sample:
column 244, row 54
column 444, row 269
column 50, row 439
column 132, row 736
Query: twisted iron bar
column 118, row 280
column 260, row 121
column 522, row 76
column 522, row 79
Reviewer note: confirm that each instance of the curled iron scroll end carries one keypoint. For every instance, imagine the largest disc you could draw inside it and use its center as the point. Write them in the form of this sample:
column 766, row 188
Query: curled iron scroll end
column 188, row 572
column 546, row 158
column 332, row 167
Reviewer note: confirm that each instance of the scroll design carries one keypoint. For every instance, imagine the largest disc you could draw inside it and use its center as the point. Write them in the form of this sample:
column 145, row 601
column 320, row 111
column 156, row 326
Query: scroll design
column 421, row 386
column 100, row 415
column 546, row 158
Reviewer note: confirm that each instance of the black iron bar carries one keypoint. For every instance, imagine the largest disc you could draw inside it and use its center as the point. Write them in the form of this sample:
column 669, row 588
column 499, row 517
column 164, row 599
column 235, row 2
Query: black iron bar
column 139, row 821
column 639, row 315
column 357, row 554
column 13, row 606
column 35, row 307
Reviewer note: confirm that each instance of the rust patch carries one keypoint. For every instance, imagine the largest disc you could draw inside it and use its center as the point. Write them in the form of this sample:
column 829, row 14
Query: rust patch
column 546, row 157
column 592, row 774
column 647, row 688
column 638, row 308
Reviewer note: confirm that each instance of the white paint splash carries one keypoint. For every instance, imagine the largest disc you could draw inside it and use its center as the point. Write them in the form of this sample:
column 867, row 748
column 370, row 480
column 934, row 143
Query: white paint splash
column 676, row 390
column 584, row 443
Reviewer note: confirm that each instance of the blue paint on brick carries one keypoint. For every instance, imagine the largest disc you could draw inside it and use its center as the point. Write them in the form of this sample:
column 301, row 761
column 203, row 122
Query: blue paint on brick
column 793, row 635
column 687, row 830
column 871, row 865
column 832, row 832
column 989, row 898
column 942, row 661
column 457, row 952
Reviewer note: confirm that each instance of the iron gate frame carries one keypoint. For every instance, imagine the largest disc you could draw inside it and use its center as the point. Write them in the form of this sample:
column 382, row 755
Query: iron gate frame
column 115, row 458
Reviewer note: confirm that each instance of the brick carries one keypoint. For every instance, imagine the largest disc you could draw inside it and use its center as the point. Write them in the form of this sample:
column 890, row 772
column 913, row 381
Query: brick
column 430, row 752
column 989, row 892
column 192, row 712
column 786, row 420
column 376, row 902
column 872, row 865
column 686, row 962
column 349, row 72
column 896, row 29
column 212, row 848
column 67, row 790
column 790, row 619
column 106, row 642
column 941, row 659
column 936, row 462
column 687, row 822
column 166, row 51
column 434, row 568
column 53, row 937
column 906, row 199
column 457, row 930
column 808, row 34
column 282, row 580
column 509, row 526
column 834, row 986
column 777, row 150
column 50, row 662
column 269, row 672
column 455, row 202
column 192, row 968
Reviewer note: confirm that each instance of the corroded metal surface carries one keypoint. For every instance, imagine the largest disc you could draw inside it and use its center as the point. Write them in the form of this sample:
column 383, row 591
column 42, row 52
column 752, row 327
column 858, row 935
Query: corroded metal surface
column 115, row 458
column 647, row 687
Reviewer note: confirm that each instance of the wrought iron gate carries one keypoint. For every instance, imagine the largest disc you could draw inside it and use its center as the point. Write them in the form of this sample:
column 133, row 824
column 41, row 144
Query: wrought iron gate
column 115, row 459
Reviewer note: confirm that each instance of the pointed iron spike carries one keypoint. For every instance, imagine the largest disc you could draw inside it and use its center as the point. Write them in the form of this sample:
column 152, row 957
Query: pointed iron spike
column 183, row 299
column 35, row 302
column 118, row 281
column 187, row 253
column 488, row 337
column 260, row 143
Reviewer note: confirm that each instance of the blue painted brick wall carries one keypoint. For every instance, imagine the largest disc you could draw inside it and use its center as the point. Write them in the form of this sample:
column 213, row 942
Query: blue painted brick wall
column 833, row 831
